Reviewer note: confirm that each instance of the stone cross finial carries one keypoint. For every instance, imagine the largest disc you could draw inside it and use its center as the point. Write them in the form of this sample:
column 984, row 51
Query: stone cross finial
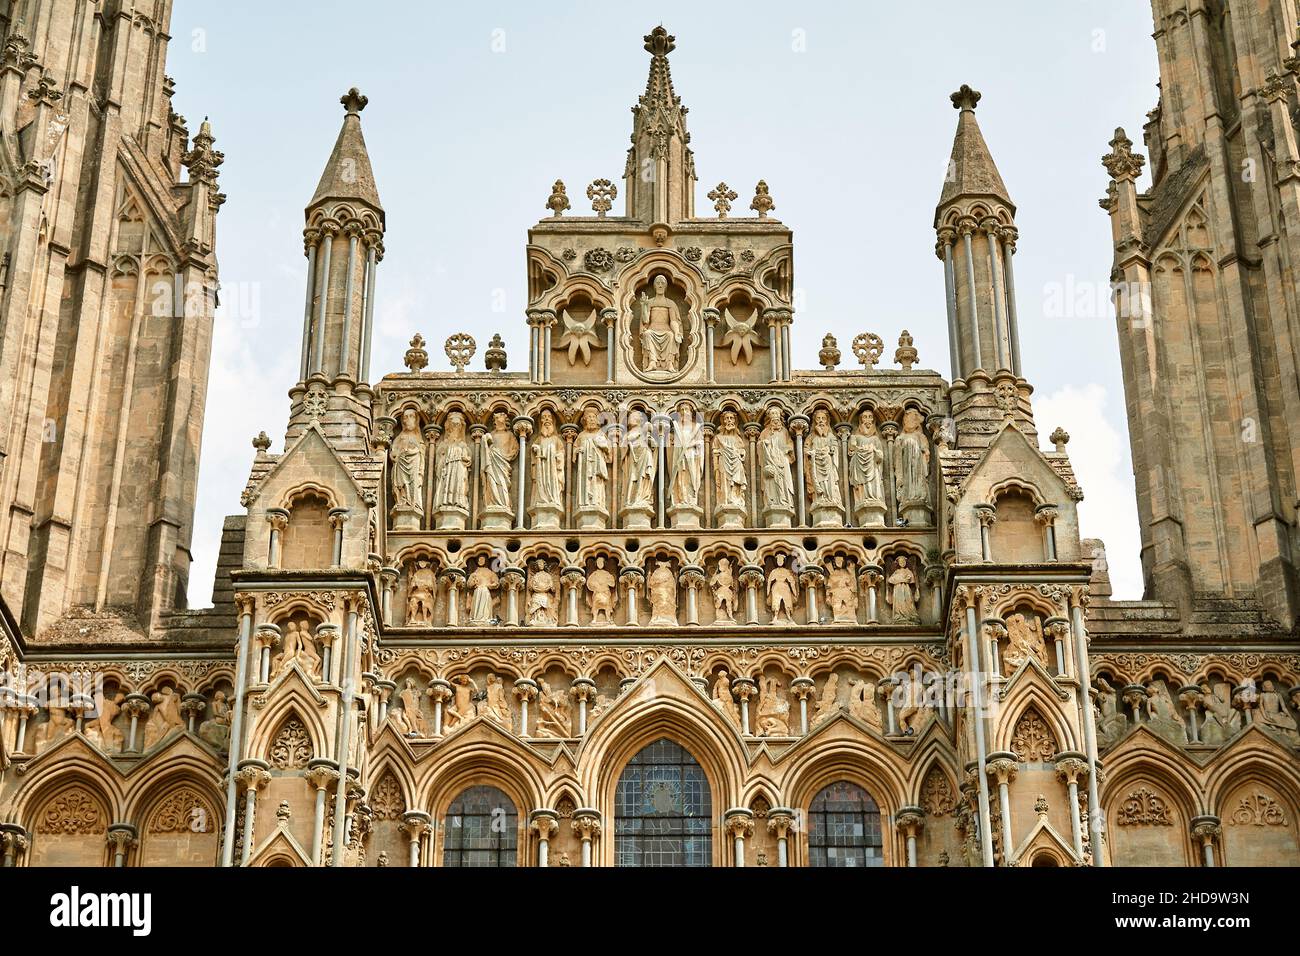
column 1121, row 162
column 602, row 194
column 867, row 348
column 722, row 196
column 762, row 203
column 354, row 101
column 460, row 349
column 965, row 98
column 261, row 443
column 1060, row 438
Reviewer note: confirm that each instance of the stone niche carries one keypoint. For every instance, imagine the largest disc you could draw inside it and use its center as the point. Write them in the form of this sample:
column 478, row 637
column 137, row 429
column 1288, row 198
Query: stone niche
column 578, row 343
column 661, row 333
column 741, row 342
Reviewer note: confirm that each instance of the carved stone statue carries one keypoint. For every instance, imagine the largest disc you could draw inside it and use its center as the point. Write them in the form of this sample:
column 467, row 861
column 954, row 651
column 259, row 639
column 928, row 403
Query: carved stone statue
column 862, row 704
column 420, row 590
column 497, row 705
column 902, row 592
column 215, row 730
column 723, row 584
column 1111, row 721
column 410, row 697
column 1024, row 640
column 723, row 700
column 828, row 704
column 775, row 456
column 460, row 709
column 782, row 592
column 554, row 712
column 548, row 474
column 661, row 587
column 451, row 469
column 164, row 717
column 108, row 737
column 731, row 481
column 842, row 591
column 773, row 709
column 482, row 584
column 1274, row 716
column 912, row 469
column 640, row 465
column 686, row 474
column 1163, row 717
column 500, row 449
column 406, row 471
column 542, row 608
column 59, row 725
column 822, row 473
column 867, row 473
column 661, row 329
column 299, row 646
column 591, row 457
column 602, row 594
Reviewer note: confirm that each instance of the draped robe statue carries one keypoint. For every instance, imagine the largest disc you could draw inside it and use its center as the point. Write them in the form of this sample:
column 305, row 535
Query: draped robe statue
column 687, row 471
column 591, row 473
column 451, row 468
column 901, row 594
column 661, row 329
column 912, row 470
column 407, row 473
column 822, row 472
column 500, row 450
column 866, row 473
column 729, row 477
column 775, row 455
column 548, row 475
column 481, row 584
column 640, row 465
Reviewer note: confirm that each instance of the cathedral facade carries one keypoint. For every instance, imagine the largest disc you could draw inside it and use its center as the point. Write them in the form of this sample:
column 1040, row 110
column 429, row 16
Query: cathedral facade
column 651, row 596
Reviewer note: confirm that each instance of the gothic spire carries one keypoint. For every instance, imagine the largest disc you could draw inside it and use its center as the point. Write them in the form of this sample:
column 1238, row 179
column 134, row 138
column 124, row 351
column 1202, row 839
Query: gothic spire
column 348, row 175
column 660, row 172
column 971, row 171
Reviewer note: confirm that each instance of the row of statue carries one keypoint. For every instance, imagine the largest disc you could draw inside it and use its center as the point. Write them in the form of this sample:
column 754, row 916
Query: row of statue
column 782, row 588
column 837, row 474
column 1213, row 711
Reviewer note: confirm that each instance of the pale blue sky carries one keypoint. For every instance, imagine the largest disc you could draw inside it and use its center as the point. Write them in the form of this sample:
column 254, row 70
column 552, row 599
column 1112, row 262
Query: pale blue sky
column 842, row 109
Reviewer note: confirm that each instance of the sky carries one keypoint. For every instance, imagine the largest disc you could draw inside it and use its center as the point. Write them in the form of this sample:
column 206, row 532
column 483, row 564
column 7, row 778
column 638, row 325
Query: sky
column 842, row 109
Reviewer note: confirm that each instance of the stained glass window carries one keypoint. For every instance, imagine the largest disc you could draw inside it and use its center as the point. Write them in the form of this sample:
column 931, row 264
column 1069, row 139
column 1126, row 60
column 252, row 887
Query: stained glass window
column 663, row 810
column 844, row 827
column 481, row 829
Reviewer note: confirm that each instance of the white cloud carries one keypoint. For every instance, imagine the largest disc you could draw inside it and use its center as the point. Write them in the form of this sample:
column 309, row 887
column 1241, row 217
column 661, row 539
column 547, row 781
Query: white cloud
column 1102, row 463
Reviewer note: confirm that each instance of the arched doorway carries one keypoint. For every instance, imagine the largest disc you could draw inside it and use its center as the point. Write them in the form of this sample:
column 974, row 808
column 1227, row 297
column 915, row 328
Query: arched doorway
column 663, row 810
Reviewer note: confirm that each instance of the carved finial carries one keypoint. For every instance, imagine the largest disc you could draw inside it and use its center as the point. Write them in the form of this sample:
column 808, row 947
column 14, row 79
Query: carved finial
column 762, row 203
column 1060, row 438
column 965, row 98
column 283, row 814
column 868, row 347
column 722, row 196
column 1121, row 162
column 495, row 356
column 416, row 356
column 1040, row 806
column 829, row 356
column 558, row 200
column 354, row 101
column 659, row 42
column 602, row 193
column 261, row 443
column 460, row 349
column 905, row 355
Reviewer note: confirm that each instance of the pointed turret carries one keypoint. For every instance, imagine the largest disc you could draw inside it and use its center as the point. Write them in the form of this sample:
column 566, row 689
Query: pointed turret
column 975, row 222
column 343, row 242
column 660, row 174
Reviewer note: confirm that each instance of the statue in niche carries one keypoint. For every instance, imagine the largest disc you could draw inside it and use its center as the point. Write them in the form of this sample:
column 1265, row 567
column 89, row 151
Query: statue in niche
column 773, row 708
column 554, row 713
column 822, row 473
column 215, row 730
column 460, row 709
column 842, row 591
column 164, row 717
column 722, row 698
column 107, row 708
column 729, row 476
column 542, row 606
column 1024, row 640
column 407, row 473
column 912, row 714
column 640, row 465
column 1273, row 715
column 497, row 706
column 548, row 474
column 1163, row 717
column 867, row 473
column 902, row 593
column 500, row 450
column 661, row 327
column 420, row 590
column 775, row 456
column 298, row 646
column 782, row 592
column 661, row 588
column 602, row 594
column 413, row 718
column 828, row 704
column 482, row 584
column 912, row 470
column 451, row 469
column 1111, row 721
column 862, row 704
column 57, row 726
column 687, row 471
column 723, row 584
column 591, row 458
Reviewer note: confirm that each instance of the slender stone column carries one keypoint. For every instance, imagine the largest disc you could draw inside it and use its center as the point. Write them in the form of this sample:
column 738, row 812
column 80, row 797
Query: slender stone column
column 586, row 824
column 136, row 706
column 1058, row 630
column 338, row 518
column 773, row 346
column 977, row 719
column 311, row 238
column 662, row 429
column 368, row 304
column 388, row 584
column 441, row 692
column 987, row 516
column 523, row 426
column 739, row 822
column 573, row 578
column 710, row 325
column 691, row 577
column 1002, row 766
column 910, row 820
column 751, row 579
column 966, row 227
column 870, row 578
column 1193, row 700
column 545, row 823
column 752, row 431
column 1046, row 515
column 780, row 821
column 345, row 729
column 526, row 690
column 415, row 824
column 947, row 237
column 353, row 231
column 743, row 688
column 328, row 232
column 582, row 689
column 633, row 580
column 327, row 634
column 1007, row 236
column 1070, row 766
column 568, row 432
column 267, row 637
column 476, row 434
column 799, row 425
column 812, row 578
column 842, row 431
column 995, row 632
column 253, row 775
column 889, row 432
column 802, row 687
column 122, row 837
column 453, row 577
column 278, row 519
column 547, row 326
column 1207, row 829
column 513, row 581
column 610, row 318
column 1000, row 338
column 245, row 605
column 322, row 773
column 787, row 359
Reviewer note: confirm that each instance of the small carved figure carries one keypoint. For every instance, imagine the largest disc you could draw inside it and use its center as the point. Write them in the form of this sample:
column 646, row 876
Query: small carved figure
column 420, row 592
column 828, row 704
column 410, row 697
column 822, row 472
column 164, row 717
column 1024, row 640
column 662, row 589
column 602, row 594
column 660, row 328
column 729, row 475
column 482, row 584
column 722, row 698
column 460, row 709
column 591, row 458
column 866, row 473
column 498, row 707
column 57, row 726
column 542, row 607
column 1274, row 716
column 775, row 456
column 1163, row 717
column 500, row 450
column 216, row 729
column 782, row 592
column 106, row 710
column 862, row 704
column 554, row 712
column 548, row 474
column 407, row 458
column 902, row 592
column 640, row 464
column 773, row 709
column 723, row 584
column 687, row 470
column 912, row 469
column 842, row 591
